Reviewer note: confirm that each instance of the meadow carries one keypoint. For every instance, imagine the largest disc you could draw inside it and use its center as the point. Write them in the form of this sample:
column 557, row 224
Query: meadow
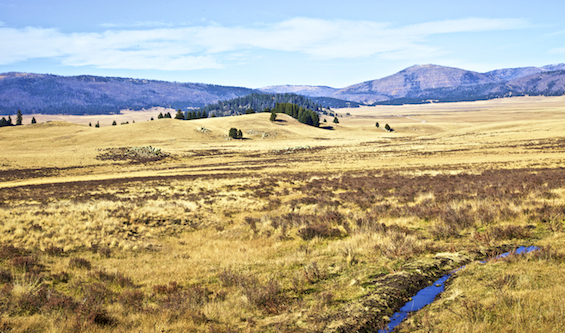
column 290, row 229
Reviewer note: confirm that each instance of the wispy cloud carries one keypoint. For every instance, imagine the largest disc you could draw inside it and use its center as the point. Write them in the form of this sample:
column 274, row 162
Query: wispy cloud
column 159, row 46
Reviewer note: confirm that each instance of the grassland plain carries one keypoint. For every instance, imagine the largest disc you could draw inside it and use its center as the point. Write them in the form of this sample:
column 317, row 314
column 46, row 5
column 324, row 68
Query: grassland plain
column 291, row 229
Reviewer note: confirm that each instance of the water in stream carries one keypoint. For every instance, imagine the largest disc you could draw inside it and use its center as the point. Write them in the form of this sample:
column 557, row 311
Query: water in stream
column 427, row 295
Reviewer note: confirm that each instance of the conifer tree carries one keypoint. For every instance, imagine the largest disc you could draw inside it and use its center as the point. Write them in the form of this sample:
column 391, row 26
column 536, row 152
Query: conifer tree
column 89, row 124
column 160, row 116
column 10, row 121
column 239, row 134
column 377, row 124
column 19, row 118
column 114, row 123
column 233, row 133
column 336, row 121
column 33, row 121
column 179, row 115
column 97, row 124
column 273, row 116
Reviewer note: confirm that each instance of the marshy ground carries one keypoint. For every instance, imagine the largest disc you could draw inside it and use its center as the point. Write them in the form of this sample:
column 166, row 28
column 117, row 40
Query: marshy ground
column 294, row 229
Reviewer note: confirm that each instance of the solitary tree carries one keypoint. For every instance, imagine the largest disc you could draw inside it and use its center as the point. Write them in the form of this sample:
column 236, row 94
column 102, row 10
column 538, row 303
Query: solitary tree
column 114, row 123
column 273, row 116
column 19, row 118
column 97, row 124
column 336, row 121
column 387, row 127
column 233, row 133
column 377, row 124
column 89, row 124
column 33, row 120
column 325, row 121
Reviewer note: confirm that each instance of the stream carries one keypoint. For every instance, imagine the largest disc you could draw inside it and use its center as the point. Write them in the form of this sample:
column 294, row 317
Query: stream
column 427, row 295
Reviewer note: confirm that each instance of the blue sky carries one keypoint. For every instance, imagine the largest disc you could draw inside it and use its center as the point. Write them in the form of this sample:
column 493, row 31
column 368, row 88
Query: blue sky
column 261, row 43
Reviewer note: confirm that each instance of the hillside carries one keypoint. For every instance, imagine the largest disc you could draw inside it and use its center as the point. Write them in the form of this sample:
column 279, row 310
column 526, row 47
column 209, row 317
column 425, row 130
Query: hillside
column 85, row 94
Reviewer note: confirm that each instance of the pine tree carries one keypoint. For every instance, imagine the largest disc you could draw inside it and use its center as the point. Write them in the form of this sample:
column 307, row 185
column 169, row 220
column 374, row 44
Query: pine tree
column 19, row 118
column 377, row 124
column 336, row 121
column 160, row 116
column 3, row 122
column 273, row 116
column 97, row 124
column 204, row 115
column 179, row 115
column 114, row 123
column 233, row 133
column 33, row 121
column 89, row 124
column 387, row 127
column 151, row 118
column 10, row 121
column 239, row 134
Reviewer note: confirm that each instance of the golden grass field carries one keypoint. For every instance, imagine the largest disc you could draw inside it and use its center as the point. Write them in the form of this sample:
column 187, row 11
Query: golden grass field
column 293, row 228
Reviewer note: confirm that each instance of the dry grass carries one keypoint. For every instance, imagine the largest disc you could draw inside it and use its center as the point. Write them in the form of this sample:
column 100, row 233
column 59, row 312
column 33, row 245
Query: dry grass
column 227, row 236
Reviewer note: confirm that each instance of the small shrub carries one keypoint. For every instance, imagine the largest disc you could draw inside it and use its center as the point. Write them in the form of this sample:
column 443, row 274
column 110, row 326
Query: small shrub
column 105, row 252
column 60, row 302
column 27, row 264
column 318, row 230
column 5, row 276
column 132, row 300
column 79, row 263
column 229, row 278
column 99, row 316
column 312, row 273
column 265, row 297
column 166, row 289
column 62, row 277
column 55, row 251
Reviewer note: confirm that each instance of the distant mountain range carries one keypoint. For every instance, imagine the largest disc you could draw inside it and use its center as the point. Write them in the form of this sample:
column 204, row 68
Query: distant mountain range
column 85, row 94
column 420, row 83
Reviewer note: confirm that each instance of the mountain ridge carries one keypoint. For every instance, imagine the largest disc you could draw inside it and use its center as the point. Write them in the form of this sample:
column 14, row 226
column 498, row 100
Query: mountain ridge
column 88, row 94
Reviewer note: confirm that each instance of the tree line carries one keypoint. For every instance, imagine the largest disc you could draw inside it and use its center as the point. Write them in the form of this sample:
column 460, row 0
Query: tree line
column 257, row 101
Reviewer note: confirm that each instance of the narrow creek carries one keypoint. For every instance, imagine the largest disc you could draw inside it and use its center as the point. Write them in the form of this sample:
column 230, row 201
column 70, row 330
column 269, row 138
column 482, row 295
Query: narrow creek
column 427, row 295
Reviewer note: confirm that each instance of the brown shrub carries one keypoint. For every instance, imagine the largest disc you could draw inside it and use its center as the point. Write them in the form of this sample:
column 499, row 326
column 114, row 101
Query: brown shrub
column 318, row 230
column 166, row 289
column 265, row 297
column 5, row 276
column 132, row 300
column 27, row 264
column 117, row 278
column 79, row 263
column 312, row 273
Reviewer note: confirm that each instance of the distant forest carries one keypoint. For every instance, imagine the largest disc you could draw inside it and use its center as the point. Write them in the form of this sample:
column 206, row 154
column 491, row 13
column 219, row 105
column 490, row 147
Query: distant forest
column 259, row 102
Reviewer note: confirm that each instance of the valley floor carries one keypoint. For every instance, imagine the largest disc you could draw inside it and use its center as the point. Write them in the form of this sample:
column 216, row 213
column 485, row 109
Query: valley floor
column 293, row 228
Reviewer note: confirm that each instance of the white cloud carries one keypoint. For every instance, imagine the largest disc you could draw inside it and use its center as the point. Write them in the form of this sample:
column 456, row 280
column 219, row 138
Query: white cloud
column 558, row 50
column 198, row 47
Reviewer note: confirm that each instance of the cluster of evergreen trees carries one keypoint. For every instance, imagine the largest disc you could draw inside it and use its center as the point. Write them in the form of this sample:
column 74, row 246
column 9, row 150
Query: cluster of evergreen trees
column 8, row 122
column 258, row 101
column 303, row 115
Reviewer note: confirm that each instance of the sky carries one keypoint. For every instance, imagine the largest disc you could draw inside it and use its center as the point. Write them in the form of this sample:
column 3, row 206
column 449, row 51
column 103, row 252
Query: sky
column 263, row 43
